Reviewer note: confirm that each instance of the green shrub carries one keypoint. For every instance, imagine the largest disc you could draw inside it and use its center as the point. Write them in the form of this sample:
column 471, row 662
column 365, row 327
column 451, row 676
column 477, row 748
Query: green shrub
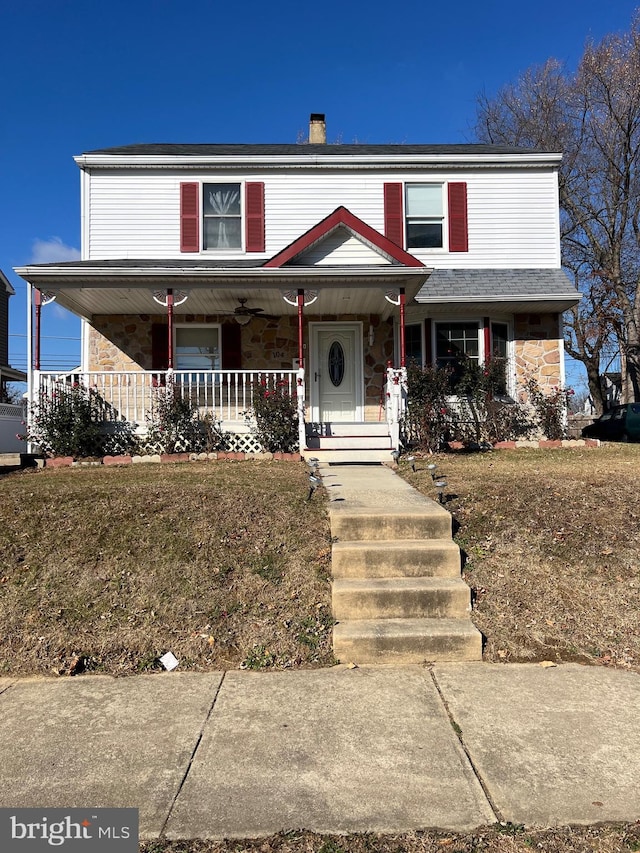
column 175, row 425
column 276, row 415
column 551, row 409
column 67, row 421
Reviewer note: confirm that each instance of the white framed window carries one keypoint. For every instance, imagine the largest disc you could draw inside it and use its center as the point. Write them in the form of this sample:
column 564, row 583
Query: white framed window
column 454, row 341
column 222, row 216
column 424, row 216
column 197, row 348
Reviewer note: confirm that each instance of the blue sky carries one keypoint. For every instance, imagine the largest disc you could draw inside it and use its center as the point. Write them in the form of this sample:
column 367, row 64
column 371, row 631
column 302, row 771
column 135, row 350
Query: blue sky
column 83, row 75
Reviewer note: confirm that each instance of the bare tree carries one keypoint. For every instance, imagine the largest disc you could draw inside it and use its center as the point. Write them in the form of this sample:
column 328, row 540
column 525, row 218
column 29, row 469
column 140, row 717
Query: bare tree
column 592, row 116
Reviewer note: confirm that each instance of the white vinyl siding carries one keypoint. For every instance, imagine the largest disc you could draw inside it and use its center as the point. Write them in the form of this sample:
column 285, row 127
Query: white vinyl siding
column 512, row 212
column 341, row 247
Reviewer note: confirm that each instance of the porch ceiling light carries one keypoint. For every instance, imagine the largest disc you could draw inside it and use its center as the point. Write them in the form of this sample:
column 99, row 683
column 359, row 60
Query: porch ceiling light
column 242, row 319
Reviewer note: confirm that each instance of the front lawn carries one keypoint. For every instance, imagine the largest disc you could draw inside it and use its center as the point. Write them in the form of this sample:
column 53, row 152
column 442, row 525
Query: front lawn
column 224, row 564
column 552, row 549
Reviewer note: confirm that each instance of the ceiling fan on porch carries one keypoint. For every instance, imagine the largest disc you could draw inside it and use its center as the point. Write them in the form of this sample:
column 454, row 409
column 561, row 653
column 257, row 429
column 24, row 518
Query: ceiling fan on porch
column 243, row 313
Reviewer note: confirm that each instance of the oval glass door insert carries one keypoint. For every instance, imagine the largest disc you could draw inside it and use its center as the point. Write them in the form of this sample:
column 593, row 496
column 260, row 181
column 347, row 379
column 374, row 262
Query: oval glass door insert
column 336, row 363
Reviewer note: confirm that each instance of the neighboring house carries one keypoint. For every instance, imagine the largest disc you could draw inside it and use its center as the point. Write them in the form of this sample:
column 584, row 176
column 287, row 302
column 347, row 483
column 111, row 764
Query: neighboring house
column 328, row 267
column 11, row 416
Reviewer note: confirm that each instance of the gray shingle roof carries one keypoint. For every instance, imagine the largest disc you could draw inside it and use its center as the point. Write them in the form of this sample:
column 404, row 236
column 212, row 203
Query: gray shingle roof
column 146, row 263
column 303, row 150
column 443, row 285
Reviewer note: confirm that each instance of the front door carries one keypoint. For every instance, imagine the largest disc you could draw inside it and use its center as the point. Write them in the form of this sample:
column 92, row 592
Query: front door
column 336, row 372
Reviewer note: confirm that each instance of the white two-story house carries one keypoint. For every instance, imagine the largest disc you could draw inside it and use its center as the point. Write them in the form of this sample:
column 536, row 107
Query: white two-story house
column 329, row 267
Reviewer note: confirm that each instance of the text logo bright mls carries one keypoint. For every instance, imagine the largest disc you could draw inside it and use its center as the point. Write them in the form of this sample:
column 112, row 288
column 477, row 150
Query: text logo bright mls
column 102, row 830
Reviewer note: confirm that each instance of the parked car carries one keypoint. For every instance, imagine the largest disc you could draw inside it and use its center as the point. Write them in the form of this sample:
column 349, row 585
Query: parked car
column 621, row 423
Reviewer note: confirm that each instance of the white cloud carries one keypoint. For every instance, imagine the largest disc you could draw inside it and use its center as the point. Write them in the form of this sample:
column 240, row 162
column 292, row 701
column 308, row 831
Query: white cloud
column 52, row 250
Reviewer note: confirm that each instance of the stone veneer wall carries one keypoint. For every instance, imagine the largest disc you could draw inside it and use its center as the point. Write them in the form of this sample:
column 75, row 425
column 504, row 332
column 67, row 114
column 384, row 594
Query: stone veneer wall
column 538, row 349
column 123, row 343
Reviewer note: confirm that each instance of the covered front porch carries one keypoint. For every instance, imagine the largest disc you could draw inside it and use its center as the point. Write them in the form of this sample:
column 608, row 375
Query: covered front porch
column 337, row 348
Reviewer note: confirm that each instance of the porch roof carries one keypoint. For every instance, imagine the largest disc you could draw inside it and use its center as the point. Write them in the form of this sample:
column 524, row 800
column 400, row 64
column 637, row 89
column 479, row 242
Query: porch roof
column 126, row 286
column 514, row 290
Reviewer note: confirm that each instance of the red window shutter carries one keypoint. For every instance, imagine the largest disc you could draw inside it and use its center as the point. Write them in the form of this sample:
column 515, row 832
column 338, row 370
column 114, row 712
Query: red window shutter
column 159, row 346
column 254, row 217
column 231, row 346
column 189, row 217
column 394, row 214
column 458, row 231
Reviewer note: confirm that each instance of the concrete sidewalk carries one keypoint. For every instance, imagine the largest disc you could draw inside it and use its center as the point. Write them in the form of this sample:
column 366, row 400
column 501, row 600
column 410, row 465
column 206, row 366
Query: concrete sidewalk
column 338, row 750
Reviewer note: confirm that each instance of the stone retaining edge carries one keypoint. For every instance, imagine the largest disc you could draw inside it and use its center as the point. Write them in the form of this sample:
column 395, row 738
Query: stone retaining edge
column 227, row 456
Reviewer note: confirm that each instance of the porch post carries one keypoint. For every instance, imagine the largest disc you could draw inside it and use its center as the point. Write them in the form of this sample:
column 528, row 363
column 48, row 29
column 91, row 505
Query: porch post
column 170, row 328
column 300, row 328
column 38, row 304
column 403, row 350
column 486, row 322
column 301, row 390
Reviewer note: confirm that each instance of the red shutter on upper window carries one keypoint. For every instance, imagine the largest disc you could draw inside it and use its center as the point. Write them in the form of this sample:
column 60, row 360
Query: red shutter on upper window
column 231, row 346
column 394, row 214
column 254, row 216
column 189, row 217
column 458, row 231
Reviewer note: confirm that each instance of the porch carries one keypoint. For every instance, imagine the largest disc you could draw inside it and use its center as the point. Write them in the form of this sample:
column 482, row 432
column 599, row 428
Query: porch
column 228, row 397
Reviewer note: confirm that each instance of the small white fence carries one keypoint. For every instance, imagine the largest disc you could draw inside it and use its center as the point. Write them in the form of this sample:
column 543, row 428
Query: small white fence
column 226, row 395
column 11, row 424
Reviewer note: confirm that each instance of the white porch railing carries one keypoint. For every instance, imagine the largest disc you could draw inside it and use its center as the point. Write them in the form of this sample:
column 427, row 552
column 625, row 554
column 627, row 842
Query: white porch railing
column 226, row 395
column 396, row 401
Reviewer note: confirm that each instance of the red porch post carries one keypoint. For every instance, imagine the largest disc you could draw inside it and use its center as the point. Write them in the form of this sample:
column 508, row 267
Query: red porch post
column 300, row 328
column 403, row 349
column 170, row 328
column 487, row 339
column 38, row 304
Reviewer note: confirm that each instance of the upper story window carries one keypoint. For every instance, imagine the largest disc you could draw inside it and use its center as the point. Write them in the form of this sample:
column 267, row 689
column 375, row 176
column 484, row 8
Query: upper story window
column 427, row 215
column 222, row 227
column 222, row 216
column 424, row 216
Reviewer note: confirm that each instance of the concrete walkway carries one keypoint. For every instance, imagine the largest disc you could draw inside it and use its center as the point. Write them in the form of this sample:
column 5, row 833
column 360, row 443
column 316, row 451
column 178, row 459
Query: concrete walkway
column 382, row 749
column 337, row 750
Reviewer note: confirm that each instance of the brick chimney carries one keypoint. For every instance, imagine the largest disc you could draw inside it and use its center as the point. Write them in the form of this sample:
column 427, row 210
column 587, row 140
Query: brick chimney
column 317, row 129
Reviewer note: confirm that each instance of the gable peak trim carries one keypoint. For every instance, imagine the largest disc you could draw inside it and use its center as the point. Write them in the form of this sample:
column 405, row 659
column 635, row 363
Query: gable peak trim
column 343, row 217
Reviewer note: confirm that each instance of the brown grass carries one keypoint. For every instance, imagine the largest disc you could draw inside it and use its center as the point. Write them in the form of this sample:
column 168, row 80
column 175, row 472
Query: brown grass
column 107, row 568
column 552, row 549
column 497, row 839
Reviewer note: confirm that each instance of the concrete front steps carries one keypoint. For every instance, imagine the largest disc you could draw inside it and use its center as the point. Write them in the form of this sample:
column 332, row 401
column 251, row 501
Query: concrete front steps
column 348, row 442
column 397, row 594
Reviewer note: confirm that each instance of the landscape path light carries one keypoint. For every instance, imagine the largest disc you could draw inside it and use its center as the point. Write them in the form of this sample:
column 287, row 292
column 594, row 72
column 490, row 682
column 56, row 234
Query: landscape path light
column 314, row 482
column 412, row 461
column 431, row 468
column 441, row 485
